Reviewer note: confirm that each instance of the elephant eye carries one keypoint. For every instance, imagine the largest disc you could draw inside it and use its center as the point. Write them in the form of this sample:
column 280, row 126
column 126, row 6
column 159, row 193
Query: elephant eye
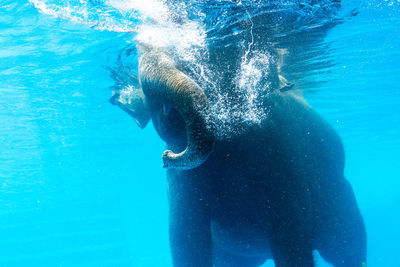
column 165, row 109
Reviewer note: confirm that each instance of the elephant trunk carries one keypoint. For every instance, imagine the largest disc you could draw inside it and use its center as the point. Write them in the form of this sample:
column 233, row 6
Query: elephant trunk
column 163, row 83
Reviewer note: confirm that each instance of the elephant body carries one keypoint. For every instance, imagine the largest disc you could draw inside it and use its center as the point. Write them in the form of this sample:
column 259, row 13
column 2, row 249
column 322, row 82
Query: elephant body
column 274, row 191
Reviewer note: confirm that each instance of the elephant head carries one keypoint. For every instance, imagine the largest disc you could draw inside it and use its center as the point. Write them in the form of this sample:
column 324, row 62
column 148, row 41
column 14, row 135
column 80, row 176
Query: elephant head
column 162, row 83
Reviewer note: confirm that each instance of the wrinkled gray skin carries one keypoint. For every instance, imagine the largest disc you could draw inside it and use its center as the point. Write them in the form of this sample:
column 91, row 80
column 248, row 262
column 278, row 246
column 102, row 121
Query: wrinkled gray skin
column 164, row 88
column 277, row 191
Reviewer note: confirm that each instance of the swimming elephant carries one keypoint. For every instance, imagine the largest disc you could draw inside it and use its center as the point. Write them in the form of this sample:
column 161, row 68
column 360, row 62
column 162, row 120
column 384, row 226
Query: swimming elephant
column 274, row 191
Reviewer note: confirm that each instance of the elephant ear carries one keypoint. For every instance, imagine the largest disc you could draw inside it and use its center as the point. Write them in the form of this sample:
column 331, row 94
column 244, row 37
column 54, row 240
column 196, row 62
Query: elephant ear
column 133, row 102
column 163, row 83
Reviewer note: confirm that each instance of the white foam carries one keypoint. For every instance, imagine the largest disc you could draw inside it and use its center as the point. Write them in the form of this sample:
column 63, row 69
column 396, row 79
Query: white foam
column 183, row 38
column 158, row 27
column 186, row 39
column 149, row 9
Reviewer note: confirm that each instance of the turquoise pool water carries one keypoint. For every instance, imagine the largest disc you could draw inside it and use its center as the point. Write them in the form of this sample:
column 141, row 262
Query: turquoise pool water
column 82, row 185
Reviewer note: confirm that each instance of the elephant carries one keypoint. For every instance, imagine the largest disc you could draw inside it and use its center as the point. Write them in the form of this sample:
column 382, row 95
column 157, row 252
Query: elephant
column 274, row 191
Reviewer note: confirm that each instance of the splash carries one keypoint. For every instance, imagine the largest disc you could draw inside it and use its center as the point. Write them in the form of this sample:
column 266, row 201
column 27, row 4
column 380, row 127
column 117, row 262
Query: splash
column 149, row 9
column 191, row 30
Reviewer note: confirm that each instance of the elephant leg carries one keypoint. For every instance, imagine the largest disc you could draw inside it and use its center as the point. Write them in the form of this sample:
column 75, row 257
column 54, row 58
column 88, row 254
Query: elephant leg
column 289, row 250
column 290, row 240
column 289, row 217
column 223, row 258
column 343, row 239
column 345, row 247
column 190, row 233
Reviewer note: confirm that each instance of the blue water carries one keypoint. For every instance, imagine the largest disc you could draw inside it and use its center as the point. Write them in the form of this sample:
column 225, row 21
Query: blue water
column 82, row 185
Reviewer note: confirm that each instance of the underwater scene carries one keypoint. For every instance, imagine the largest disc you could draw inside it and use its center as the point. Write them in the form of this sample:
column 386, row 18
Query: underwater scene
column 200, row 133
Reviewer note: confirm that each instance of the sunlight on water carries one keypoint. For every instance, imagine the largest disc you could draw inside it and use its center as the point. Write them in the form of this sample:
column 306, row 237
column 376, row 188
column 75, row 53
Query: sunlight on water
column 101, row 17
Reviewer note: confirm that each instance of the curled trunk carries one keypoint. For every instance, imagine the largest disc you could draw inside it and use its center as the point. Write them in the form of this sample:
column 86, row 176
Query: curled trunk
column 163, row 83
